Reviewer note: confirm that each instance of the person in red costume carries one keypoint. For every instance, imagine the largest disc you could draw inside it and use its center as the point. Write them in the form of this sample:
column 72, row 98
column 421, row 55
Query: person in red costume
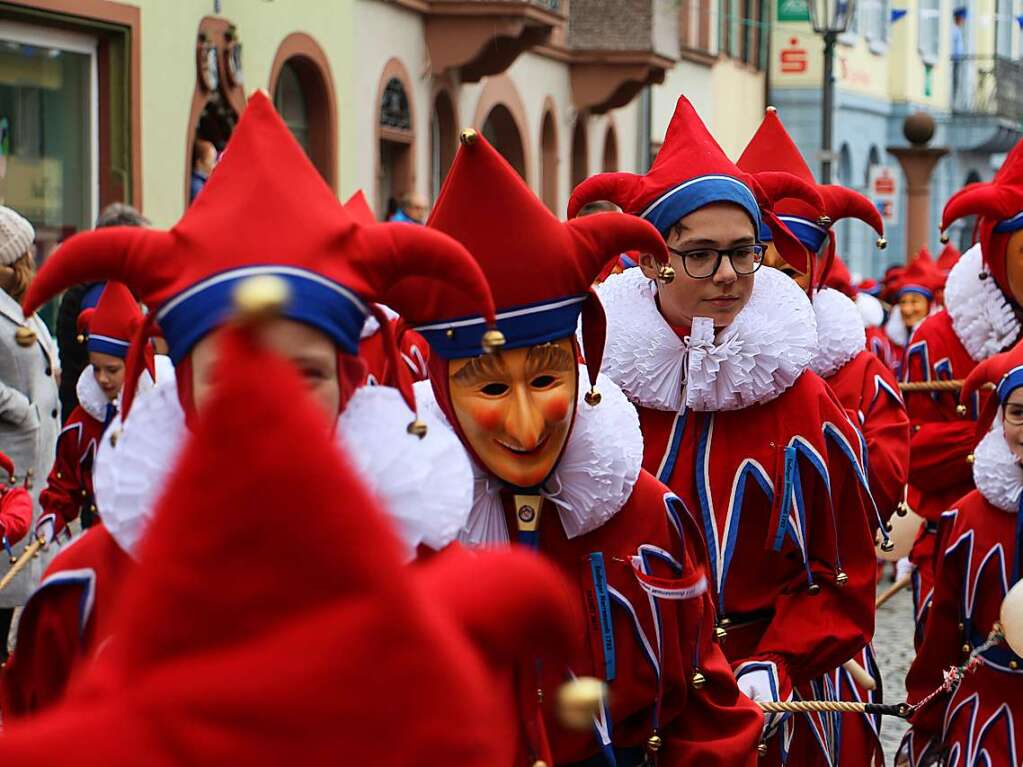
column 245, row 224
column 15, row 509
column 736, row 423
column 373, row 344
column 915, row 290
column 109, row 326
column 981, row 545
column 219, row 659
column 558, row 468
column 980, row 319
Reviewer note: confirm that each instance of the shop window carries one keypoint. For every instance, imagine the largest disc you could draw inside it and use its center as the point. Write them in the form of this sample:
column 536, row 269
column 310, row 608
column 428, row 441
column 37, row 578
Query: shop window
column 396, row 175
column 500, row 130
column 549, row 163
column 580, row 152
column 49, row 130
column 930, row 30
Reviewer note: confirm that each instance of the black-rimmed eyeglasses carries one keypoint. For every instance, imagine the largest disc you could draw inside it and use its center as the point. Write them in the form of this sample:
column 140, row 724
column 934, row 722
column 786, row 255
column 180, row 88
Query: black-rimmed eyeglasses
column 702, row 263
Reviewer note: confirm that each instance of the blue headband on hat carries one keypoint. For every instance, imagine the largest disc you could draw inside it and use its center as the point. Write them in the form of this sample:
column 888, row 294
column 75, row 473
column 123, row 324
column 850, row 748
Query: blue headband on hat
column 1009, row 383
column 1013, row 224
column 679, row 201
column 929, row 295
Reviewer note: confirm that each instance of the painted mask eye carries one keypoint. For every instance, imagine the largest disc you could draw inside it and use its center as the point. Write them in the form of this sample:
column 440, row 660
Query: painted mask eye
column 542, row 382
column 494, row 389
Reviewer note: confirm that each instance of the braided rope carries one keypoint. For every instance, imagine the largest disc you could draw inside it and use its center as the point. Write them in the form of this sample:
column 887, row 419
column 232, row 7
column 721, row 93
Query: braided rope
column 953, row 385
column 808, row 706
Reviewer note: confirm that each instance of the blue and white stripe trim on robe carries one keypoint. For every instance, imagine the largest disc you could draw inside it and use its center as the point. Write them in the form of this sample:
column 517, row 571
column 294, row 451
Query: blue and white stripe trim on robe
column 691, row 195
column 115, row 347
column 1010, row 381
column 315, row 300
column 523, row 326
column 1011, row 224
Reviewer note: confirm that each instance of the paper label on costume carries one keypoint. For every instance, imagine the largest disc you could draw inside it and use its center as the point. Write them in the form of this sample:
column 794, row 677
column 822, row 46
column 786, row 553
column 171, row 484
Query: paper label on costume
column 601, row 609
column 693, row 585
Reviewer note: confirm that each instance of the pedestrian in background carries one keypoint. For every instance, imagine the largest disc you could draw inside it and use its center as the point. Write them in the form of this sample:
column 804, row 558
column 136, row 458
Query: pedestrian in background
column 29, row 406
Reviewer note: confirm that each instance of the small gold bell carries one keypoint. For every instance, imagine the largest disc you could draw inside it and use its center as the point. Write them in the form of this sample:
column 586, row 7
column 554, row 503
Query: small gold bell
column 539, row 763
column 260, row 297
column 824, row 221
column 699, row 680
column 902, row 509
column 889, row 526
column 966, row 649
column 882, row 243
column 492, row 341
column 772, row 109
column 450, row 332
column 25, row 336
column 1014, row 665
column 841, row 578
column 887, row 545
column 944, row 237
column 961, row 409
column 418, row 428
column 762, row 748
column 579, row 701
column 666, row 274
column 813, row 589
column 468, row 137
column 720, row 634
column 593, row 397
column 654, row 742
column 80, row 338
column 114, row 436
column 970, row 459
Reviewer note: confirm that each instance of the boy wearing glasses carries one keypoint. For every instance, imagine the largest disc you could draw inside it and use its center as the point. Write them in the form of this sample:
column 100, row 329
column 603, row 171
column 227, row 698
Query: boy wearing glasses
column 736, row 423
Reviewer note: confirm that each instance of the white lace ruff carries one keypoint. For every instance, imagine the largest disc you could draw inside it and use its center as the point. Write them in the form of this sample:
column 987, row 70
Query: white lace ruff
column 981, row 317
column 593, row 479
column 754, row 360
column 996, row 472
column 840, row 333
column 425, row 485
column 871, row 310
column 94, row 401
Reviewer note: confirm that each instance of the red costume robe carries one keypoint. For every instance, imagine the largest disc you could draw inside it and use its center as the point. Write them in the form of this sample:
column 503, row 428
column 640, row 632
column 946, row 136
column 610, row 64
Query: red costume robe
column 980, row 540
column 639, row 564
column 976, row 323
column 425, row 483
column 756, row 443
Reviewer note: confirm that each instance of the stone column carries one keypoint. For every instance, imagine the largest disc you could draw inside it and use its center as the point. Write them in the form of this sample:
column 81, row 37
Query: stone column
column 918, row 161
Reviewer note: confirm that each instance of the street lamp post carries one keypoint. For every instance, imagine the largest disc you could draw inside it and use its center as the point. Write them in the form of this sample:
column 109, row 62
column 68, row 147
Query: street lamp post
column 830, row 18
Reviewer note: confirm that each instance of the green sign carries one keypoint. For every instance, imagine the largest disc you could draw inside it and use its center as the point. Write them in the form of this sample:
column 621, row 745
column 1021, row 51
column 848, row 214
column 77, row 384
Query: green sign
column 793, row 10
column 928, row 80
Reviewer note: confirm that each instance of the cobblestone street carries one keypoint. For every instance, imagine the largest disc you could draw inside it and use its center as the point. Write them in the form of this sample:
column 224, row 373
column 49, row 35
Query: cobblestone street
column 893, row 643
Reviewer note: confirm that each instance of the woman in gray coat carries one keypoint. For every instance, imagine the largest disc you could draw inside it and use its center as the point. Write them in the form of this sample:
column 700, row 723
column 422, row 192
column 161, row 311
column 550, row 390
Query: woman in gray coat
column 29, row 405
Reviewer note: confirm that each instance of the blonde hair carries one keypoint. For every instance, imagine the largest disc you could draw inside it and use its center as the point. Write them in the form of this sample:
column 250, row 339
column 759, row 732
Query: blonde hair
column 24, row 271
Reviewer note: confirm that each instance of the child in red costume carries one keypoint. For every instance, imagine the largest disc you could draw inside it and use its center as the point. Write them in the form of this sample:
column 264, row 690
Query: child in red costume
column 981, row 546
column 220, row 660
column 110, row 326
column 558, row 468
column 735, row 422
column 245, row 225
column 15, row 509
column 978, row 321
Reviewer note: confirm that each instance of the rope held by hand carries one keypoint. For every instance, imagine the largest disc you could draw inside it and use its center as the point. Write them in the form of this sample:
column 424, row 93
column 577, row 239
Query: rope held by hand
column 901, row 710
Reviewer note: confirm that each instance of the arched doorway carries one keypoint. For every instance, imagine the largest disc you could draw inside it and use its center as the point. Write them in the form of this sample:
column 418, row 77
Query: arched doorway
column 443, row 140
column 580, row 152
column 549, row 162
column 395, row 138
column 610, row 161
column 303, row 93
column 501, row 131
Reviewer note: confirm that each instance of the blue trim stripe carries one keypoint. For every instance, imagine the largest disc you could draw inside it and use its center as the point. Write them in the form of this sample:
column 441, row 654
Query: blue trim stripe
column 1011, row 224
column 749, row 469
column 1009, row 383
column 913, row 288
column 523, row 326
column 706, row 511
column 315, row 301
column 115, row 347
column 808, row 233
column 678, row 429
column 919, row 349
column 696, row 193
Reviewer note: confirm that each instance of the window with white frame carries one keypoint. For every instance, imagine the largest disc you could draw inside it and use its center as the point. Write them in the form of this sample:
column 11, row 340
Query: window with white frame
column 930, row 29
column 1005, row 23
column 872, row 18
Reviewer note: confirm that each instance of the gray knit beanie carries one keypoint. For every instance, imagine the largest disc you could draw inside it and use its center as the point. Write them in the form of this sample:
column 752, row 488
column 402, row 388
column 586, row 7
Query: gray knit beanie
column 16, row 236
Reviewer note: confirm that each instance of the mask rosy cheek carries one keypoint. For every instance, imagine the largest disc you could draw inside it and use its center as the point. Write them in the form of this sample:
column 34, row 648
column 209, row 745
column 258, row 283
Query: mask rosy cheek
column 486, row 415
column 556, row 407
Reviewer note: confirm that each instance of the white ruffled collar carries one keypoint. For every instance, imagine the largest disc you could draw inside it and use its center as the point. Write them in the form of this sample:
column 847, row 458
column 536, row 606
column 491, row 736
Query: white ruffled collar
column 996, row 472
column 425, row 485
column 592, row 482
column 896, row 329
column 94, row 401
column 754, row 360
column 840, row 333
column 981, row 316
column 90, row 396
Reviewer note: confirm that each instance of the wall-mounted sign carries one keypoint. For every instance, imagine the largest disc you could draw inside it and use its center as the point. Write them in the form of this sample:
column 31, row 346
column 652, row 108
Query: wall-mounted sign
column 883, row 184
column 793, row 10
column 794, row 60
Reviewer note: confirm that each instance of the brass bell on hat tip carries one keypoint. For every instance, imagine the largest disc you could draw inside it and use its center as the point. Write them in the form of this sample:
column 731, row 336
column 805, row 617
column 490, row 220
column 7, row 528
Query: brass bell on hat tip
column 882, row 243
column 961, row 409
column 580, row 700
column 824, row 221
column 813, row 589
column 841, row 578
column 970, row 459
column 593, row 397
column 944, row 238
column 720, row 634
column 654, row 742
column 80, row 338
column 762, row 749
column 468, row 137
column 666, row 274
column 699, row 680
column 902, row 509
column 492, row 341
column 772, row 109
column 260, row 297
column 417, row 428
column 887, row 545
